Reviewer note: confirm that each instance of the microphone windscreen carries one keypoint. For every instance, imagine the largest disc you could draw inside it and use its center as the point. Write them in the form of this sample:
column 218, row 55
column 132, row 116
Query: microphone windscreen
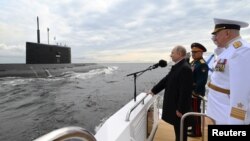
column 162, row 63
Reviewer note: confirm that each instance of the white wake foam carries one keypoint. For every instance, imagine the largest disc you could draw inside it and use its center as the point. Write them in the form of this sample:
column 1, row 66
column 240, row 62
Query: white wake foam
column 95, row 72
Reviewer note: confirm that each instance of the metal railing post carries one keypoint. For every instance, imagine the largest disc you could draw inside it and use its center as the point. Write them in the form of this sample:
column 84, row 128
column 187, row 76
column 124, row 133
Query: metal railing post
column 183, row 118
column 203, row 117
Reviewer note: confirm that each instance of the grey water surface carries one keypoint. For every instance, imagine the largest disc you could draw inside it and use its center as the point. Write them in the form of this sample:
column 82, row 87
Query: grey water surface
column 32, row 107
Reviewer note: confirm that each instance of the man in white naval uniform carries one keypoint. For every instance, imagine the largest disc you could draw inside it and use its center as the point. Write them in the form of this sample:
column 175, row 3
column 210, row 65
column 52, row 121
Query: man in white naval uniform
column 229, row 89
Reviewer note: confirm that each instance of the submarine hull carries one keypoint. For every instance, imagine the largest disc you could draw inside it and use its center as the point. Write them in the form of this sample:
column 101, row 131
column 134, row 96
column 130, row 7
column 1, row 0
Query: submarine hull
column 44, row 70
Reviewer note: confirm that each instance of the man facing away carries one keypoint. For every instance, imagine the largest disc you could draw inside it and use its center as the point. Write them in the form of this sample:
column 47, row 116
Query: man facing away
column 178, row 91
column 200, row 75
column 229, row 91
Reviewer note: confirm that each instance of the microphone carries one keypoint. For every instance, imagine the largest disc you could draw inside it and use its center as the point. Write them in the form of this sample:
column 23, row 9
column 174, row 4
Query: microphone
column 162, row 63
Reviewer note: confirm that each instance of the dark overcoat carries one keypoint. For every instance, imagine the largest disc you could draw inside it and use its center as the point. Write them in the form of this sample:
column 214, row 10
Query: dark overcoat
column 178, row 91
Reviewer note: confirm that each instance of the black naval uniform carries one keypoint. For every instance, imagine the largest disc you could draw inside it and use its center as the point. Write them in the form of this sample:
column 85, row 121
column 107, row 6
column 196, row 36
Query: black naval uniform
column 200, row 75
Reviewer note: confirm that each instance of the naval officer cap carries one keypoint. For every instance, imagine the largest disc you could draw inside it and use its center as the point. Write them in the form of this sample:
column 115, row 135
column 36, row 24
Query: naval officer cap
column 221, row 24
column 198, row 47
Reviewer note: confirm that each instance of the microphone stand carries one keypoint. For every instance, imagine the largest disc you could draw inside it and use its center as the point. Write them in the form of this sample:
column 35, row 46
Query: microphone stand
column 137, row 74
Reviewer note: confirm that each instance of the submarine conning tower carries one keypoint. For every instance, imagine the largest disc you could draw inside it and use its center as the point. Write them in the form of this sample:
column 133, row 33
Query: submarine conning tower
column 37, row 53
column 47, row 54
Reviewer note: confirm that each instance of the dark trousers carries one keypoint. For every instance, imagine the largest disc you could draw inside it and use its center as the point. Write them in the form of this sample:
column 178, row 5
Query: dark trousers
column 177, row 130
column 196, row 122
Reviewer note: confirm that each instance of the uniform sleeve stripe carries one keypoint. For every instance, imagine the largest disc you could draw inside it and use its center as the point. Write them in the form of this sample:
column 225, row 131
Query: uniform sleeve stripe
column 238, row 113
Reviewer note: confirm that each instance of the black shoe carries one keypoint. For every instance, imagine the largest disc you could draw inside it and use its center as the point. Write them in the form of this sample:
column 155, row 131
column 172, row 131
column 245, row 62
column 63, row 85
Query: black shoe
column 190, row 134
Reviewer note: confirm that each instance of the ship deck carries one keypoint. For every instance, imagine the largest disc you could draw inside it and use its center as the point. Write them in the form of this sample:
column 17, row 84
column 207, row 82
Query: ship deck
column 165, row 132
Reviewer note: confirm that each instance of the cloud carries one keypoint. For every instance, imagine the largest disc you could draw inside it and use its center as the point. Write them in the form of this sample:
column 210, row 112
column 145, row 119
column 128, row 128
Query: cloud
column 11, row 50
column 109, row 30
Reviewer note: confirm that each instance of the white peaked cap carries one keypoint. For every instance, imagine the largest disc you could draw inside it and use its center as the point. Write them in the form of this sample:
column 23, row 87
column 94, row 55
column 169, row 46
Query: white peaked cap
column 221, row 24
column 234, row 22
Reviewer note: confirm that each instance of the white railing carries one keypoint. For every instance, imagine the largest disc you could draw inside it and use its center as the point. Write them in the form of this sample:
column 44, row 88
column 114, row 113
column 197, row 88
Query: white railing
column 68, row 134
column 131, row 110
column 203, row 115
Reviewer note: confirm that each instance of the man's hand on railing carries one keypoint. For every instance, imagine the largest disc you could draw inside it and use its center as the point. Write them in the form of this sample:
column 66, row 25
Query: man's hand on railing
column 150, row 92
column 194, row 95
column 178, row 114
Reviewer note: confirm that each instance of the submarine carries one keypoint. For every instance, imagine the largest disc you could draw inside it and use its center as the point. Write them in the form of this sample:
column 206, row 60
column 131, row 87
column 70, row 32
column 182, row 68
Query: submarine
column 45, row 60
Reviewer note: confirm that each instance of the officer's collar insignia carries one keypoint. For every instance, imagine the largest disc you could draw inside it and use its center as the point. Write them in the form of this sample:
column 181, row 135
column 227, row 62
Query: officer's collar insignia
column 202, row 61
column 237, row 44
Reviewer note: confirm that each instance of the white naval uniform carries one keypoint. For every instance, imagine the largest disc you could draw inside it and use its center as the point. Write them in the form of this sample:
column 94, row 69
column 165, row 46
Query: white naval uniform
column 232, row 73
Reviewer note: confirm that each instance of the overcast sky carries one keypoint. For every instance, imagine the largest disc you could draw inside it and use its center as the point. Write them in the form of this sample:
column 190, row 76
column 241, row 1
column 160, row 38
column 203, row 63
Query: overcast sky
column 114, row 30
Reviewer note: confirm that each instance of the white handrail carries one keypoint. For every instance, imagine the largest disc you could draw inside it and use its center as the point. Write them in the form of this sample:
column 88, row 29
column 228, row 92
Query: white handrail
column 190, row 114
column 130, row 110
column 67, row 133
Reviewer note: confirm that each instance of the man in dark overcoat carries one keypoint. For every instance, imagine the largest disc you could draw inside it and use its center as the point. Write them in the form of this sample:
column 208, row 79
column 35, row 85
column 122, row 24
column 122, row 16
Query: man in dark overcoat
column 178, row 91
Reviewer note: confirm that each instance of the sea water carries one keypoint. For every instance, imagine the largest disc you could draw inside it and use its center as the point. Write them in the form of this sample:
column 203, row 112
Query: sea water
column 32, row 107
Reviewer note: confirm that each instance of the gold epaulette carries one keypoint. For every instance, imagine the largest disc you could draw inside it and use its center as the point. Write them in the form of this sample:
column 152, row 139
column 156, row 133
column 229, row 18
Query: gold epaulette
column 192, row 62
column 202, row 61
column 237, row 44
